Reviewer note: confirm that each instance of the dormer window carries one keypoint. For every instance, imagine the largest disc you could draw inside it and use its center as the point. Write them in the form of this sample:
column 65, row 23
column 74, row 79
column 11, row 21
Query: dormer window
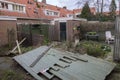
column 51, row 13
column 11, row 6
column 69, row 15
column 36, row 11
column 18, row 8
column 29, row 2
column 55, row 13
column 3, row 5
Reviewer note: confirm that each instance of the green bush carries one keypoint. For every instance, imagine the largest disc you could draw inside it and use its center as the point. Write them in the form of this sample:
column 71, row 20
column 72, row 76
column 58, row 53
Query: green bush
column 91, row 33
column 106, row 48
column 95, row 49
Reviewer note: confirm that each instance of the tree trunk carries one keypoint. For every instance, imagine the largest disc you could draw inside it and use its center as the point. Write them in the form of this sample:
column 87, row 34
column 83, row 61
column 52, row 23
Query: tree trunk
column 98, row 6
column 102, row 7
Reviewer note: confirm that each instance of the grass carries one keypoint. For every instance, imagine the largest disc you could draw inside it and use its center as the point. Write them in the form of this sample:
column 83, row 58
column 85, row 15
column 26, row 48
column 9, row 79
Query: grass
column 26, row 49
column 10, row 75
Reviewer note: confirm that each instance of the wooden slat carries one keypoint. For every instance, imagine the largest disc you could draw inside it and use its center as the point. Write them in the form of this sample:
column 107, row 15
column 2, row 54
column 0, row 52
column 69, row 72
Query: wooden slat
column 40, row 56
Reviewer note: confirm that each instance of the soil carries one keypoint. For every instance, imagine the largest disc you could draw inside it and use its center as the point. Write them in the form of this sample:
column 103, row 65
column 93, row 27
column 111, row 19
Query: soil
column 8, row 64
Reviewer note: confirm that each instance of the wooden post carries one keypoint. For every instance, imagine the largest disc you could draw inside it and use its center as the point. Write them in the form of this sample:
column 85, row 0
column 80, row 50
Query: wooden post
column 116, row 54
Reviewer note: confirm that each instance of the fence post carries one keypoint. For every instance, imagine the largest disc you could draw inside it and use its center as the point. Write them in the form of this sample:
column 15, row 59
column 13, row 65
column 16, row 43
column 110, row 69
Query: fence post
column 116, row 54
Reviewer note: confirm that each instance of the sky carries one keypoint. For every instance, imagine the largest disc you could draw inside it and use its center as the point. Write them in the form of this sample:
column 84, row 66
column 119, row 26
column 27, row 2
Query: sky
column 71, row 4
column 62, row 3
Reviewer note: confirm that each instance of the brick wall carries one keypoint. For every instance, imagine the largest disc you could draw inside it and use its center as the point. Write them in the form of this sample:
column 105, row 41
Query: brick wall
column 32, row 21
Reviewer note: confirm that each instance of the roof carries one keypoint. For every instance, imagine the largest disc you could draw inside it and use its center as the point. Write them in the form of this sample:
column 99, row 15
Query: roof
column 7, row 18
column 64, row 65
column 64, row 19
column 33, row 6
column 30, row 10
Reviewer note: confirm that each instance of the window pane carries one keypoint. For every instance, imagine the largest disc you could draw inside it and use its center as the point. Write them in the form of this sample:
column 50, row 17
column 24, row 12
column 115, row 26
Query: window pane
column 17, row 8
column 2, row 5
column 6, row 6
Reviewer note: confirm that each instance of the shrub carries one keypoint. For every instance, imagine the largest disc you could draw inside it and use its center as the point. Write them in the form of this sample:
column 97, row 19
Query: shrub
column 106, row 48
column 91, row 33
column 95, row 49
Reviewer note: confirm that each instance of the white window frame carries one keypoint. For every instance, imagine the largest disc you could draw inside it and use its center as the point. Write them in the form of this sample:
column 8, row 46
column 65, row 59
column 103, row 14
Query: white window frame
column 49, row 12
column 10, row 6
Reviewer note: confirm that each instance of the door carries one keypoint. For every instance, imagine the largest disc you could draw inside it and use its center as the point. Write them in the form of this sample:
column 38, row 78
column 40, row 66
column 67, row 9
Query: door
column 62, row 31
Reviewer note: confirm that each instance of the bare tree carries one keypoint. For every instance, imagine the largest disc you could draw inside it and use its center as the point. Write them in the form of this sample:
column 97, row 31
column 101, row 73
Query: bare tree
column 82, row 2
column 98, row 6
column 102, row 4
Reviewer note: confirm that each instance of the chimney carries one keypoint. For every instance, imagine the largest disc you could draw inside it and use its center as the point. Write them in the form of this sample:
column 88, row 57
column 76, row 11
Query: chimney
column 44, row 1
column 64, row 7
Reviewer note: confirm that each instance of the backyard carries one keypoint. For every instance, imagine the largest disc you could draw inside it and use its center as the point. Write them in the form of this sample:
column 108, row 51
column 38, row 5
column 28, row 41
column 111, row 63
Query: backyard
column 77, row 28
column 9, row 69
column 93, row 45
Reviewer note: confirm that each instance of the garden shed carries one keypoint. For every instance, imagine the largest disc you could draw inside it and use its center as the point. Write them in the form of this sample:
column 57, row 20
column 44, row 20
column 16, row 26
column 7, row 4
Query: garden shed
column 65, row 28
column 8, row 32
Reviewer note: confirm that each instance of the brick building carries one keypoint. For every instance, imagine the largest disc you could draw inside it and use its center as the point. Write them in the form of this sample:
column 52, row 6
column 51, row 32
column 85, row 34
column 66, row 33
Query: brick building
column 13, row 13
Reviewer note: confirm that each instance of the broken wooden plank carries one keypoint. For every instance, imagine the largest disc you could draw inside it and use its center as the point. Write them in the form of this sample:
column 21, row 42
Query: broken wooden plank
column 40, row 56
column 12, row 51
column 18, row 46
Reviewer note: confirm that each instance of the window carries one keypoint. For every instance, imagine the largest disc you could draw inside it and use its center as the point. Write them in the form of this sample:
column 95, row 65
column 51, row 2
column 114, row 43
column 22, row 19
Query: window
column 36, row 10
column 69, row 15
column 0, row 5
column 56, row 13
column 51, row 13
column 3, row 5
column 6, row 6
column 21, row 8
column 12, row 6
column 18, row 8
column 29, row 2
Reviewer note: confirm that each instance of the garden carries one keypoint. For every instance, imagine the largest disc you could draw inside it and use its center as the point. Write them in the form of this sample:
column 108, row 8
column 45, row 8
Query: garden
column 96, row 48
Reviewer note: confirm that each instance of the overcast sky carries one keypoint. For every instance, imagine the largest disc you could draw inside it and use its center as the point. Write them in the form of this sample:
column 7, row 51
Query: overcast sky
column 71, row 4
column 62, row 3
